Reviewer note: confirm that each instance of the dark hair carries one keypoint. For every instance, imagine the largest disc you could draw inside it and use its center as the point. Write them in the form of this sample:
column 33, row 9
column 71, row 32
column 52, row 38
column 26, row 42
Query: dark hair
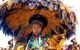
column 37, row 22
column 38, row 18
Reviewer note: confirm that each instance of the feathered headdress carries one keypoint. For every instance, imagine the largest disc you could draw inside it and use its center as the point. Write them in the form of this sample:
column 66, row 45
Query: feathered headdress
column 61, row 19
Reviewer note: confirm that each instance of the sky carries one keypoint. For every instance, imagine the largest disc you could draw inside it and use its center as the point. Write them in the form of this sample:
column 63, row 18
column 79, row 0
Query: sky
column 74, row 4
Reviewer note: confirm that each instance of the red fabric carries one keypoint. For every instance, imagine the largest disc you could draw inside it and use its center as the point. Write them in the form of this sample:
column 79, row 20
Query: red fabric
column 36, row 36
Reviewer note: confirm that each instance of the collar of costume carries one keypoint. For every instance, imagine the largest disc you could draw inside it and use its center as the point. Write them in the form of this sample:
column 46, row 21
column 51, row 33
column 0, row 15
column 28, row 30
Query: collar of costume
column 36, row 36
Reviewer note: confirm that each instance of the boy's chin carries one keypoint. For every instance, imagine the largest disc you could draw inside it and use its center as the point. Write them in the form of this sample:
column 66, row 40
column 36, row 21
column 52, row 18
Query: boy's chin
column 36, row 33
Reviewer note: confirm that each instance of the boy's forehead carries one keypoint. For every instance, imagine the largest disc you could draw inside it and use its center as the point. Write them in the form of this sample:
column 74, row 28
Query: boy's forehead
column 37, row 24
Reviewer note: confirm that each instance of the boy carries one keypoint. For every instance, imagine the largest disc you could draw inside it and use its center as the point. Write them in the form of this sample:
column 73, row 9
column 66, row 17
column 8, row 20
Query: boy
column 36, row 40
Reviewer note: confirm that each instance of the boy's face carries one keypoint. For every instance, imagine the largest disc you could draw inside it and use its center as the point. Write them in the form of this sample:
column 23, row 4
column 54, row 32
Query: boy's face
column 36, row 28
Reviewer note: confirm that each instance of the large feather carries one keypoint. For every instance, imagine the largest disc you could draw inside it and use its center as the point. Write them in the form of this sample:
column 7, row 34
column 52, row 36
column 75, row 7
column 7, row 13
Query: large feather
column 16, row 21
